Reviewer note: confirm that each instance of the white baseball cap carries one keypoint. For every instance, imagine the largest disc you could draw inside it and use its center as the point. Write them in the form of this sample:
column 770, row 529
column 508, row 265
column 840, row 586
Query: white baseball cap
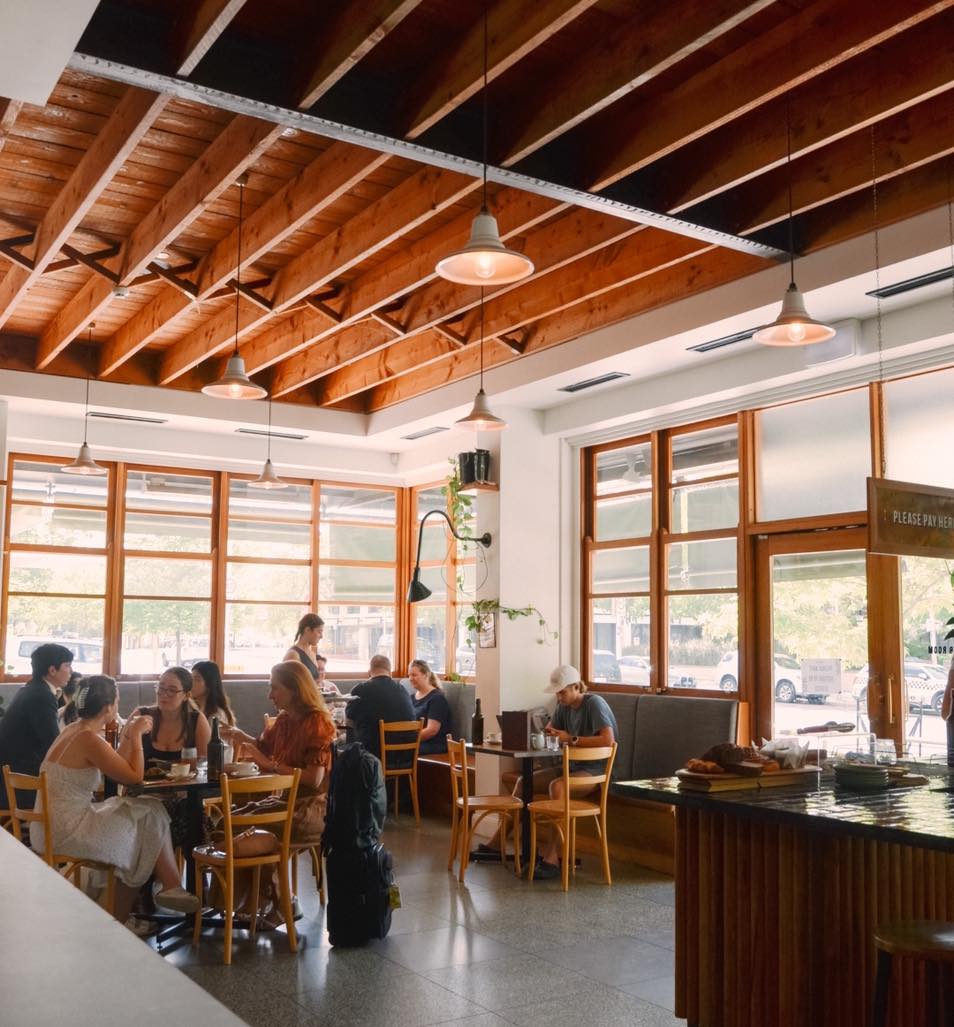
column 561, row 677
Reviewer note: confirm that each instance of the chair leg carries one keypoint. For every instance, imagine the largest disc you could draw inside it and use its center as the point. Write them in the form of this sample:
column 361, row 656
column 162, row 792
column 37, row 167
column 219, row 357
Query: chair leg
column 293, row 858
column 455, row 817
column 533, row 846
column 567, row 828
column 229, row 912
column 604, row 840
column 286, row 903
column 321, row 878
column 573, row 847
column 256, row 891
column 517, row 841
column 464, row 845
column 417, row 809
column 111, row 891
column 879, row 1014
column 197, row 926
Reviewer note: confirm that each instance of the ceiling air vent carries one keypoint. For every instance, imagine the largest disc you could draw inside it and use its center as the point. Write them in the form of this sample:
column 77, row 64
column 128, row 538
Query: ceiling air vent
column 910, row 284
column 726, row 340
column 590, row 383
column 272, row 434
column 414, row 436
column 103, row 416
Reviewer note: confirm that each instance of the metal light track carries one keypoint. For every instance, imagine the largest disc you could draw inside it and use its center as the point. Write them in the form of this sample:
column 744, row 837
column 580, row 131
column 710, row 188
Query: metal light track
column 290, row 118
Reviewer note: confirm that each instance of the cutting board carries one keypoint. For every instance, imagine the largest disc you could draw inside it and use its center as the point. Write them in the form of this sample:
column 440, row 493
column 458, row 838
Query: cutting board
column 734, row 782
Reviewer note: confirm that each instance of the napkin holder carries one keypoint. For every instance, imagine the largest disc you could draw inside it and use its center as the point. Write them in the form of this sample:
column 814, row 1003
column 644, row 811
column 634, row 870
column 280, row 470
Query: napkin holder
column 515, row 726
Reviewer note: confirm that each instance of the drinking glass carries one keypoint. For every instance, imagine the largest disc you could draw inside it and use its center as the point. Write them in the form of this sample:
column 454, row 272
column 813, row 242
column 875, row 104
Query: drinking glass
column 886, row 753
column 553, row 743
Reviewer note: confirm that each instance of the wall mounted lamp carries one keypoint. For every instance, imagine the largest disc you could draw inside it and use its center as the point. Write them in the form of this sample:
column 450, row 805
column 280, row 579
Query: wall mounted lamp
column 417, row 590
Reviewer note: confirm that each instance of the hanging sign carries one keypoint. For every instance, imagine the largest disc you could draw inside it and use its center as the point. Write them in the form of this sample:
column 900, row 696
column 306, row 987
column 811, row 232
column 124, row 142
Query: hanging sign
column 905, row 519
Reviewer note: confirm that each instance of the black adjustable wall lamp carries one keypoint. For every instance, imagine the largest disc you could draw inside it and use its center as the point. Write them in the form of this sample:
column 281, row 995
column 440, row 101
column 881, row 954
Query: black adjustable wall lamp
column 417, row 590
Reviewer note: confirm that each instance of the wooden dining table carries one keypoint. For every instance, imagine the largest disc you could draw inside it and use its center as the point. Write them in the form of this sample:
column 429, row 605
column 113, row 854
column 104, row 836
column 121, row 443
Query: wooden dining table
column 526, row 758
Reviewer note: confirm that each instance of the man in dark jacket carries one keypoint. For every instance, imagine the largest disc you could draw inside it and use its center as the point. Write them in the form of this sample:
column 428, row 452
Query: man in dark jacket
column 29, row 726
column 378, row 698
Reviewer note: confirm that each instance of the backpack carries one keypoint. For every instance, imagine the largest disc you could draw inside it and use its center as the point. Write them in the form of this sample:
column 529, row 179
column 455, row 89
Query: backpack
column 359, row 895
column 357, row 800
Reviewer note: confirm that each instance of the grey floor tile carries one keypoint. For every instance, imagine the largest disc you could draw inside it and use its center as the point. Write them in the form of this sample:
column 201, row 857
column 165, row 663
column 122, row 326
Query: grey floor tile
column 447, row 946
column 661, row 991
column 501, row 983
column 599, row 1006
column 615, row 961
column 484, row 1020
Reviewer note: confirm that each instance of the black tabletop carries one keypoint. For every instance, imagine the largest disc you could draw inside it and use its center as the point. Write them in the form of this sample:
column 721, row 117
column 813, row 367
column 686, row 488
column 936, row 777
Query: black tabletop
column 910, row 816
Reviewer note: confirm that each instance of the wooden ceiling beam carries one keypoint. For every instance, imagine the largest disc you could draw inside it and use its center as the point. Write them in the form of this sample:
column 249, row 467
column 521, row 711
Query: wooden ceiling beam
column 903, row 142
column 131, row 119
column 876, row 84
column 552, row 245
column 404, row 208
column 209, row 19
column 637, row 256
column 321, row 183
column 513, row 31
column 687, row 278
column 402, row 273
column 618, row 64
column 357, row 27
column 800, row 48
column 238, row 146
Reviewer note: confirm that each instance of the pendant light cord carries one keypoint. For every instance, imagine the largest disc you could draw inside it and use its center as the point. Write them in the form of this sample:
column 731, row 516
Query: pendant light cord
column 791, row 206
column 89, row 341
column 238, row 272
column 877, row 258
column 481, row 338
column 268, row 452
column 484, row 114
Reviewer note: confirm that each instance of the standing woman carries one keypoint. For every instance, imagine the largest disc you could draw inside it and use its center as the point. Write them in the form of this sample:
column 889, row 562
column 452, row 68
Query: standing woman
column 431, row 706
column 208, row 693
column 176, row 722
column 305, row 648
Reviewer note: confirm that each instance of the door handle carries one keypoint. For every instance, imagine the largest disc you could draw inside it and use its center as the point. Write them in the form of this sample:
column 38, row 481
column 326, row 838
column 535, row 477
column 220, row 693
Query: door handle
column 890, row 699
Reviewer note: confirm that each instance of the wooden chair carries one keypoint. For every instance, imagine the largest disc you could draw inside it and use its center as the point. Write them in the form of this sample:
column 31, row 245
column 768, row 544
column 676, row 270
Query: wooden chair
column 464, row 806
column 563, row 813
column 928, row 941
column 317, row 867
column 223, row 862
column 401, row 727
column 68, row 866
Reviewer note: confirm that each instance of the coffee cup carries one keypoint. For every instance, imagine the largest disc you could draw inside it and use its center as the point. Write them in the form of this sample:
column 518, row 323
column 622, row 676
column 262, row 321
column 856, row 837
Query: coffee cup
column 494, row 739
column 180, row 769
column 537, row 741
column 245, row 769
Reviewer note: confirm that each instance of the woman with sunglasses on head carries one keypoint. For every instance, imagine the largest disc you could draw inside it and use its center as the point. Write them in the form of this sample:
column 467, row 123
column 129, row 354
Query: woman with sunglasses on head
column 208, row 693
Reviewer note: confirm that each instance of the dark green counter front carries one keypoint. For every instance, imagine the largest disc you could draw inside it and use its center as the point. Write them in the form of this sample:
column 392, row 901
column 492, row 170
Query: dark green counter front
column 779, row 890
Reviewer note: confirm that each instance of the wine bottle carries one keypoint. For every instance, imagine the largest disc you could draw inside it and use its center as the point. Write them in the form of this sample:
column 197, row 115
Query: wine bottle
column 477, row 726
column 215, row 754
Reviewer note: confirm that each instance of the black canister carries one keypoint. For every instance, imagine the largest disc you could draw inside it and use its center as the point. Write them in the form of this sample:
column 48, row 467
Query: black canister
column 466, row 470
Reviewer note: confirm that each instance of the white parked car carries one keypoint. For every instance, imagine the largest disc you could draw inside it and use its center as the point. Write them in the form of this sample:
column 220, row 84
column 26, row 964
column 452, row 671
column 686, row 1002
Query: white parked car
column 925, row 683
column 87, row 653
column 788, row 677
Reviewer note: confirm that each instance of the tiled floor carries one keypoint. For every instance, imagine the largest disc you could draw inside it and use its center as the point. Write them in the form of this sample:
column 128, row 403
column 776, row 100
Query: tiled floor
column 495, row 951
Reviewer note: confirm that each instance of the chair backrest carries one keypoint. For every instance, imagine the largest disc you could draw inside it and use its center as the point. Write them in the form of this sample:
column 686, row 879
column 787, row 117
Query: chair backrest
column 579, row 754
column 13, row 783
column 457, row 761
column 400, row 727
column 249, row 788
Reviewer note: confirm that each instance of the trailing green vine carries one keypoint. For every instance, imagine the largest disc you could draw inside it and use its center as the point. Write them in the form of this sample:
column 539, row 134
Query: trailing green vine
column 481, row 609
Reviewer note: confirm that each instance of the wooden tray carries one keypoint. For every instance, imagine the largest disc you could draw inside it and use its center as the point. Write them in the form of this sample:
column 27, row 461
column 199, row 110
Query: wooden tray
column 799, row 776
column 715, row 782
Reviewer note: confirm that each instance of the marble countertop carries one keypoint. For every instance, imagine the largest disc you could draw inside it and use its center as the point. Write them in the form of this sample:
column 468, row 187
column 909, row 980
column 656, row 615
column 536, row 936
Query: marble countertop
column 921, row 816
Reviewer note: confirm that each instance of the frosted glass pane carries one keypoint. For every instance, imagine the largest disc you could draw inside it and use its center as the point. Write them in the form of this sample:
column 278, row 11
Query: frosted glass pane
column 621, row 570
column 814, row 457
column 708, row 564
column 920, row 430
column 624, row 517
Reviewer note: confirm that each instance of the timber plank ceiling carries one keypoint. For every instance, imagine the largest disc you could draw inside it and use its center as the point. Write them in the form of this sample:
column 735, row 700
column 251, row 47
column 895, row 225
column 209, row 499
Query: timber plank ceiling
column 637, row 154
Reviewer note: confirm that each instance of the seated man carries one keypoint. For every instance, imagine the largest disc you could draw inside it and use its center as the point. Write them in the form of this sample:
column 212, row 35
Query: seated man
column 378, row 698
column 30, row 726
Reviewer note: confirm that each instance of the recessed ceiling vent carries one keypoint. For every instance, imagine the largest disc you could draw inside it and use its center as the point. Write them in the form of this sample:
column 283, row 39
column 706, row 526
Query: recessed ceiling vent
column 910, row 284
column 423, row 433
column 591, row 383
column 103, row 416
column 726, row 340
column 270, row 434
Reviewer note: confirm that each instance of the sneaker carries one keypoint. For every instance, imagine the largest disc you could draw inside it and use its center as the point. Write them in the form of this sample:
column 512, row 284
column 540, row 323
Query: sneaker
column 178, row 899
column 141, row 928
column 544, row 871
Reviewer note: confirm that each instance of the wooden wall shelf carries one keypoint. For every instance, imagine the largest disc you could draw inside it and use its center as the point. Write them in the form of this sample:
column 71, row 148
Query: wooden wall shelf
column 480, row 486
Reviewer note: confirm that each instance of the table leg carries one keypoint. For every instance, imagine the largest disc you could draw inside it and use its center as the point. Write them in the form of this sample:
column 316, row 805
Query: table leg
column 527, row 796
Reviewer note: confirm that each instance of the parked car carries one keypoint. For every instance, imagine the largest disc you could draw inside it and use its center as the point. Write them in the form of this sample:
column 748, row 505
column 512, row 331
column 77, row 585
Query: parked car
column 87, row 653
column 925, row 683
column 636, row 670
column 788, row 677
column 605, row 666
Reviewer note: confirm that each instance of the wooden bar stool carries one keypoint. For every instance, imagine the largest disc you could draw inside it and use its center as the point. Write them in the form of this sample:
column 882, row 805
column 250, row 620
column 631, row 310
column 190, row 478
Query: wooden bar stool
column 929, row 941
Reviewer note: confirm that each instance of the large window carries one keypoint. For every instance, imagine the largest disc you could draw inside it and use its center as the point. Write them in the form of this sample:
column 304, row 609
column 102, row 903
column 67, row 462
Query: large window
column 56, row 572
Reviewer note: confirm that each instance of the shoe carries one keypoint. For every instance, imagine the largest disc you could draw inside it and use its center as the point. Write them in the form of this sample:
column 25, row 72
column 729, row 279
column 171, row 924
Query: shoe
column 544, row 871
column 487, row 850
column 178, row 899
column 141, row 928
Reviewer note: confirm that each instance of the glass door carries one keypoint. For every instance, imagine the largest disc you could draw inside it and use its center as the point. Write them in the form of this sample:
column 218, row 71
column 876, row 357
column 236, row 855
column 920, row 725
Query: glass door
column 812, row 663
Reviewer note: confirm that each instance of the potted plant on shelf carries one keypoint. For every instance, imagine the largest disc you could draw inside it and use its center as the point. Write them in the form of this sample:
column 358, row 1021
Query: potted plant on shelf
column 482, row 613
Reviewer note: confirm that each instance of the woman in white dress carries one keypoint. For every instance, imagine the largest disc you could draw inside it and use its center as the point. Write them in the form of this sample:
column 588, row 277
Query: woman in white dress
column 130, row 833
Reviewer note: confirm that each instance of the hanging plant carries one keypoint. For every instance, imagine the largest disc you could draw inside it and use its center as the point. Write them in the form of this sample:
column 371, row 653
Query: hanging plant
column 459, row 505
column 483, row 609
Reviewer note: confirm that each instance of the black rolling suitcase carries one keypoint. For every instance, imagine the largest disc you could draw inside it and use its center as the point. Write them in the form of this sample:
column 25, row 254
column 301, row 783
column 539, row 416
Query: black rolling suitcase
column 360, row 869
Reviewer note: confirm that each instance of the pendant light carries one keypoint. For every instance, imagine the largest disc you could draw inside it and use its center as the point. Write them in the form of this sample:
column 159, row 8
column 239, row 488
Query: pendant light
column 793, row 326
column 485, row 260
column 235, row 383
column 84, row 463
column 481, row 417
column 268, row 479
